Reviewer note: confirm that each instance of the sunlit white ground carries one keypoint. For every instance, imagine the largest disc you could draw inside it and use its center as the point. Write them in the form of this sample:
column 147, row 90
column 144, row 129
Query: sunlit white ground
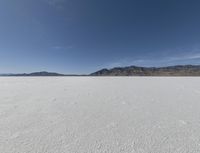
column 99, row 115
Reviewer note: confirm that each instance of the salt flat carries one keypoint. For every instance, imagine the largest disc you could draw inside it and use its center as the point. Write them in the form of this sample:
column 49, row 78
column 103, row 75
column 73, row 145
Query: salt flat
column 99, row 115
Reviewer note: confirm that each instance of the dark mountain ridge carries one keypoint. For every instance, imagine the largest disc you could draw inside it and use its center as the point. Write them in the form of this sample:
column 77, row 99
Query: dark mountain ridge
column 178, row 70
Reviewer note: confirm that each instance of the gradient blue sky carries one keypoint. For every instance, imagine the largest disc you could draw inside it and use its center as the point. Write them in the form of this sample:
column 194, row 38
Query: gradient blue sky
column 82, row 36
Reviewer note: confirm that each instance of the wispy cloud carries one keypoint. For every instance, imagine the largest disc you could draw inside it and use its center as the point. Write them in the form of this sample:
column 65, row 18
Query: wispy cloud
column 114, row 64
column 62, row 47
column 54, row 2
column 69, row 47
column 58, row 4
column 57, row 47
column 184, row 58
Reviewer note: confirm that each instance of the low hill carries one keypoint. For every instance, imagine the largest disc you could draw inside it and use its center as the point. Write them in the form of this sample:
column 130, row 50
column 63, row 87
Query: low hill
column 43, row 73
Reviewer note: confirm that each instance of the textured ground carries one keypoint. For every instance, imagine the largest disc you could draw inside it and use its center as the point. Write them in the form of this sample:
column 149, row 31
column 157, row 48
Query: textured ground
column 99, row 115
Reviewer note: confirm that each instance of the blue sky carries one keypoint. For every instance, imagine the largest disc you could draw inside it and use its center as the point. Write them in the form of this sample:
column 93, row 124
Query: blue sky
column 82, row 36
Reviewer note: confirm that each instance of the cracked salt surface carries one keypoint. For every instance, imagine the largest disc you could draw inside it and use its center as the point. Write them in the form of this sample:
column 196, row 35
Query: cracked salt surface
column 99, row 115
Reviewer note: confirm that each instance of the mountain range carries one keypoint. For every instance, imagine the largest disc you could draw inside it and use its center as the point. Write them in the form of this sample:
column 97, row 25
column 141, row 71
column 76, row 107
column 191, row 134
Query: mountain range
column 178, row 70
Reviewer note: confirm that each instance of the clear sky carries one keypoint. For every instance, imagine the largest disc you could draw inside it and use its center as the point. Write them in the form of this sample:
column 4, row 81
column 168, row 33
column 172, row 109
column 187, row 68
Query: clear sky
column 82, row 36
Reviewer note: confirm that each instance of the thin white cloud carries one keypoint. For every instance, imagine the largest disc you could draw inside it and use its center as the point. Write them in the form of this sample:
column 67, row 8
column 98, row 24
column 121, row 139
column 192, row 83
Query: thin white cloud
column 193, row 56
column 62, row 47
column 190, row 56
column 58, row 4
column 57, row 47
column 69, row 47
column 162, row 61
column 53, row 2
column 114, row 64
